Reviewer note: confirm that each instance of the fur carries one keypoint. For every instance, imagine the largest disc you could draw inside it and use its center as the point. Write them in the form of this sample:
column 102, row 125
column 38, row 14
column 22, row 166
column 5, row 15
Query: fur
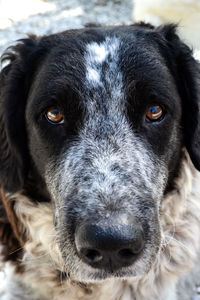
column 42, row 260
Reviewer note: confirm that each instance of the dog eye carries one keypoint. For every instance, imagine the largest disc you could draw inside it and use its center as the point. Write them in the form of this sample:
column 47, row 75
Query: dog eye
column 54, row 115
column 154, row 113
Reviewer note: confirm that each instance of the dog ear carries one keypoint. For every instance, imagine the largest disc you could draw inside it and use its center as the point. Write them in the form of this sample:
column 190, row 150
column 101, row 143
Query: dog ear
column 15, row 81
column 186, row 71
column 12, row 233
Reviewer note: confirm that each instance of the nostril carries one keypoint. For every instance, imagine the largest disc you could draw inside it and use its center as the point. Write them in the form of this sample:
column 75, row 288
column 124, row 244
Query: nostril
column 126, row 254
column 91, row 255
column 132, row 252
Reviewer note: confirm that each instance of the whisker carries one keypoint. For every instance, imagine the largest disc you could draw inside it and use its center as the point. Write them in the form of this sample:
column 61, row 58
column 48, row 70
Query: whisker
column 16, row 251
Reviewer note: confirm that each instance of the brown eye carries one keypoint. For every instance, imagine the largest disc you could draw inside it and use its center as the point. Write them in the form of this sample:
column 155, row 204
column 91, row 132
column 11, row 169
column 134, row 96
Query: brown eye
column 154, row 113
column 54, row 115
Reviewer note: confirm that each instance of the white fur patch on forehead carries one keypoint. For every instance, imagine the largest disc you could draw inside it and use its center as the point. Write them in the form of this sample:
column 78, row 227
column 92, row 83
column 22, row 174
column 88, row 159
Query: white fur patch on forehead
column 96, row 54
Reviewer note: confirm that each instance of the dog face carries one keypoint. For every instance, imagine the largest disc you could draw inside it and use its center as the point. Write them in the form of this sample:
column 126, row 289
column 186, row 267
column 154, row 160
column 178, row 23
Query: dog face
column 96, row 126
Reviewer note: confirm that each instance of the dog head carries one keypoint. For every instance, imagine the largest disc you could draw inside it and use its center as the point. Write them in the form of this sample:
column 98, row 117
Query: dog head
column 94, row 121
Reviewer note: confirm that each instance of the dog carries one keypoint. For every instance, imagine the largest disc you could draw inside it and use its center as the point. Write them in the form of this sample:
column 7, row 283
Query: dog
column 100, row 161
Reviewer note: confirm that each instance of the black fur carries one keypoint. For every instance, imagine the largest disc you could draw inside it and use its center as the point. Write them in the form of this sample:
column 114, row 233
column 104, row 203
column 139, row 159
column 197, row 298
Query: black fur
column 15, row 82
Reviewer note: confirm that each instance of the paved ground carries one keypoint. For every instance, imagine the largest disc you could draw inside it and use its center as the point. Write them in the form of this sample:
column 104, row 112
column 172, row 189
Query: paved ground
column 18, row 18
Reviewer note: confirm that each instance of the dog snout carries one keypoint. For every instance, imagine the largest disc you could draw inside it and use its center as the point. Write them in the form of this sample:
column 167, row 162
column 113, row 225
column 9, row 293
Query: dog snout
column 109, row 247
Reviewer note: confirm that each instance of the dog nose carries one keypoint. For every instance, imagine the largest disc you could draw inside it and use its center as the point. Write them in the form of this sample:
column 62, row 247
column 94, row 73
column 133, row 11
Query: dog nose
column 109, row 247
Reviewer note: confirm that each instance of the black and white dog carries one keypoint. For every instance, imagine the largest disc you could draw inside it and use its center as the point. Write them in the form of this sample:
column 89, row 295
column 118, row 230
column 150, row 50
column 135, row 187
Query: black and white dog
column 99, row 137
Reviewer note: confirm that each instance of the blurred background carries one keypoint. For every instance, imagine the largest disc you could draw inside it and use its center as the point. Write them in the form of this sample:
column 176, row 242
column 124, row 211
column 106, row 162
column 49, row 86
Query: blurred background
column 19, row 17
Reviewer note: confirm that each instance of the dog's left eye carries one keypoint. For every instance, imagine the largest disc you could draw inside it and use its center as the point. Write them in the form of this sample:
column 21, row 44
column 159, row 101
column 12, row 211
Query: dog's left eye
column 54, row 115
column 154, row 113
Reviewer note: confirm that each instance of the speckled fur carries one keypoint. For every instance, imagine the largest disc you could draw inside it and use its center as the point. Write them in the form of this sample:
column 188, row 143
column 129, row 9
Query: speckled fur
column 179, row 217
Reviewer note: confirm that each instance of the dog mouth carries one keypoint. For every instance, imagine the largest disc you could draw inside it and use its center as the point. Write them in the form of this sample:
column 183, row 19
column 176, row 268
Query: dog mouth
column 118, row 246
column 93, row 273
column 104, row 251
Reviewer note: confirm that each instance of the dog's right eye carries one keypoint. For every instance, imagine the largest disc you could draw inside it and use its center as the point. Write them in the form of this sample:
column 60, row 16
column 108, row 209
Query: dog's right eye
column 54, row 115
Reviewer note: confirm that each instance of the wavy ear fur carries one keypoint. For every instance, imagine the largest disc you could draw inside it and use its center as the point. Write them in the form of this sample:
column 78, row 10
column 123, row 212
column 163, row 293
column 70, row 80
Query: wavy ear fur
column 186, row 71
column 12, row 234
column 15, row 81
